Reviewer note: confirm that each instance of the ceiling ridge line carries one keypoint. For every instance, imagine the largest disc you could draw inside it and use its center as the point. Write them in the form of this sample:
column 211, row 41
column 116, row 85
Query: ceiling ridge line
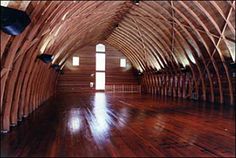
column 129, row 5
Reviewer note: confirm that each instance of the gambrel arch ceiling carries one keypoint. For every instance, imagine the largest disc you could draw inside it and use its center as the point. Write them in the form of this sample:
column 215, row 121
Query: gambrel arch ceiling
column 164, row 33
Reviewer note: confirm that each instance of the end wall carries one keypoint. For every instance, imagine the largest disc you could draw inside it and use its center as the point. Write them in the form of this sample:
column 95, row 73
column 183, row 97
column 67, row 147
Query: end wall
column 78, row 78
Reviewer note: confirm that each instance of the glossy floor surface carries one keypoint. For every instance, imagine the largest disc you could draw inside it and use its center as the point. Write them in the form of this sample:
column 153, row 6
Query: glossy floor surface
column 123, row 125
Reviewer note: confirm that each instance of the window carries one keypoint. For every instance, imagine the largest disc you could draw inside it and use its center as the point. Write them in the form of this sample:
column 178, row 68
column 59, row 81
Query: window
column 100, row 67
column 100, row 61
column 100, row 48
column 100, row 80
column 4, row 3
column 122, row 62
column 75, row 61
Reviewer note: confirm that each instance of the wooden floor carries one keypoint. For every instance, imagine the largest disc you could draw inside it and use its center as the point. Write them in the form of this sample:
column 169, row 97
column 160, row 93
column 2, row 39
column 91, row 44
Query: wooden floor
column 123, row 125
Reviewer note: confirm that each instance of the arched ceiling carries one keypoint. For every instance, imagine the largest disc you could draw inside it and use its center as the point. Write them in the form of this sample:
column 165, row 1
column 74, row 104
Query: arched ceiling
column 153, row 35
column 167, row 34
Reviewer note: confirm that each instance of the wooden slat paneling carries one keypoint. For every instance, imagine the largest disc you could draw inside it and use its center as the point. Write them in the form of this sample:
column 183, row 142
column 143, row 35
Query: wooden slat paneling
column 77, row 79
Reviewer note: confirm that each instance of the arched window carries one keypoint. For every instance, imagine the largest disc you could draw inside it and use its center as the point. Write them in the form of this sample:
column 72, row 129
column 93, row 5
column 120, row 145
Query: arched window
column 100, row 48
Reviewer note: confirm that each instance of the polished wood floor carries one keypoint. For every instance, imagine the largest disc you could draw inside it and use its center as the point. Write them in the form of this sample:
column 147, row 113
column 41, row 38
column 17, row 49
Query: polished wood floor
column 123, row 125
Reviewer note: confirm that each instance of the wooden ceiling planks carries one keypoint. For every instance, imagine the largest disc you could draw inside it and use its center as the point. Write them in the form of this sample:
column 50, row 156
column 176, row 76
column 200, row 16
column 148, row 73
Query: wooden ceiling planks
column 154, row 35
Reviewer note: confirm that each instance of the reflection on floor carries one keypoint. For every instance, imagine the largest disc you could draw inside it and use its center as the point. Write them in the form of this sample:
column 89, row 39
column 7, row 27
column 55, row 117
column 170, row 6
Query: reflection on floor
column 123, row 125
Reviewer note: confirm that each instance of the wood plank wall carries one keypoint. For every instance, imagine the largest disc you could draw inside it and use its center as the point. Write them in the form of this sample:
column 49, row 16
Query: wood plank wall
column 78, row 78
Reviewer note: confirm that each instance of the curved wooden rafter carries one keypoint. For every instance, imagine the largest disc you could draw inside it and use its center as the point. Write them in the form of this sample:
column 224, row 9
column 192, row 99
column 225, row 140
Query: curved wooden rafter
column 131, row 44
column 198, row 50
column 129, row 32
column 129, row 55
column 134, row 33
column 221, row 56
column 157, row 37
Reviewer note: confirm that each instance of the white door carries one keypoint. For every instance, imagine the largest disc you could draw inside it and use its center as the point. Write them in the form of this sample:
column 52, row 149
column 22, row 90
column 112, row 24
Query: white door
column 100, row 80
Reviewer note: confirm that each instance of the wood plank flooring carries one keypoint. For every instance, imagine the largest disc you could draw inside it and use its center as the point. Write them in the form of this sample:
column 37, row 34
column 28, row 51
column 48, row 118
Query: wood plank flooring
column 99, row 124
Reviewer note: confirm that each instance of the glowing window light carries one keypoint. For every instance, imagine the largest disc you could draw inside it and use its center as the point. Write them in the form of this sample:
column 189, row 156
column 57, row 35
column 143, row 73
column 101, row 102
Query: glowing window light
column 100, row 61
column 4, row 3
column 75, row 61
column 122, row 62
column 100, row 80
column 100, row 48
